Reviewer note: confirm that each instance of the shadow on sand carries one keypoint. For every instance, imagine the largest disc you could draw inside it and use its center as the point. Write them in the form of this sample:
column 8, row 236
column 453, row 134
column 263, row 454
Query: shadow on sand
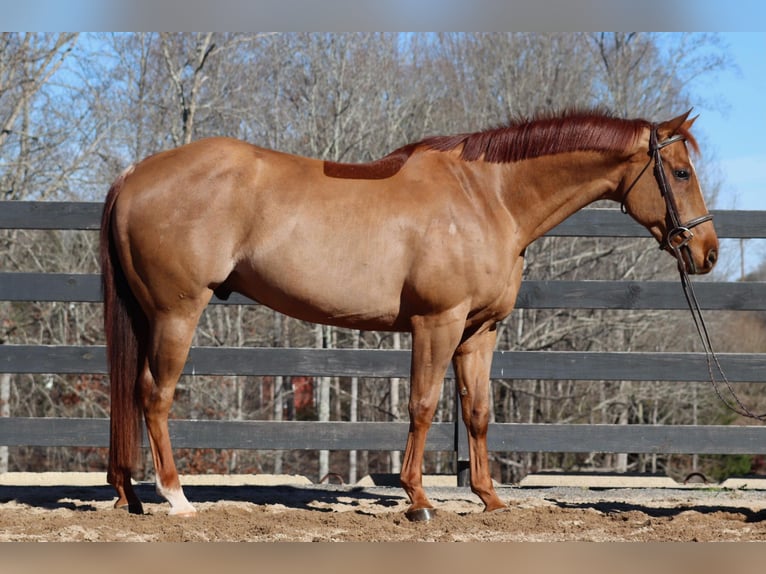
column 81, row 498
column 616, row 508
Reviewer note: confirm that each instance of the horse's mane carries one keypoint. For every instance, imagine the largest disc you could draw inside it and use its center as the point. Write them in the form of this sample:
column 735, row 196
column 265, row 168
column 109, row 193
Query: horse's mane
column 544, row 134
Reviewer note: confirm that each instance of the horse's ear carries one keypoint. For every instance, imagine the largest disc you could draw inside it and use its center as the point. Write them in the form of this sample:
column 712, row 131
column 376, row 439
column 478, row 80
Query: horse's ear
column 671, row 127
column 688, row 123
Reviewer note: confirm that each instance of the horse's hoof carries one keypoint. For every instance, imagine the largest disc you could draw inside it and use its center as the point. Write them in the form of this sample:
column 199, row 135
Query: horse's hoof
column 420, row 514
column 185, row 513
column 135, row 508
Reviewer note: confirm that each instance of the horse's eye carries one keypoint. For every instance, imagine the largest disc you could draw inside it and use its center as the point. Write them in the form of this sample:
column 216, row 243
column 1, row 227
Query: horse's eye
column 681, row 174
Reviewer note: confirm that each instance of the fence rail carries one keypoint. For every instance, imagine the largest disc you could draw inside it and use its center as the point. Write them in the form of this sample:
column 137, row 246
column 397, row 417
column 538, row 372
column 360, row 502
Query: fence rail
column 502, row 437
column 592, row 294
column 563, row 294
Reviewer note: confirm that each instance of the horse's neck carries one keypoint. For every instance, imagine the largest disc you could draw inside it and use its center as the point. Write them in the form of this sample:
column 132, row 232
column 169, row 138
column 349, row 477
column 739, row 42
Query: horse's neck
column 543, row 192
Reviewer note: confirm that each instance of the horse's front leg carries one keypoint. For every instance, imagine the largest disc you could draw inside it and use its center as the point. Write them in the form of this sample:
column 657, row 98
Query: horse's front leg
column 434, row 340
column 472, row 363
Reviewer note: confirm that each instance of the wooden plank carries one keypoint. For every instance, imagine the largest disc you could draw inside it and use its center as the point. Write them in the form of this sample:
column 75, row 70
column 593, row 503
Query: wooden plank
column 630, row 366
column 72, row 287
column 216, row 361
column 50, row 214
column 304, row 435
column 376, row 363
column 663, row 295
column 598, row 223
column 643, row 295
column 253, row 435
column 25, row 431
column 44, row 287
column 654, row 439
column 296, row 362
column 313, row 435
column 593, row 222
column 738, row 224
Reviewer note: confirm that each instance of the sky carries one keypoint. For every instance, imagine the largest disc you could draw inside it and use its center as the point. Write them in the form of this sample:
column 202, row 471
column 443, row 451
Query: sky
column 737, row 135
column 390, row 15
column 733, row 123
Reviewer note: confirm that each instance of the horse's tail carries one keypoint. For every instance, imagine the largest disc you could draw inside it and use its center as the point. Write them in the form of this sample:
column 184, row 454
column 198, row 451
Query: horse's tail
column 123, row 321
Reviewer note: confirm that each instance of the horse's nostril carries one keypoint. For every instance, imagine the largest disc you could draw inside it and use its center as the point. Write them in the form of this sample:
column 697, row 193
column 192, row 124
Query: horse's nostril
column 712, row 257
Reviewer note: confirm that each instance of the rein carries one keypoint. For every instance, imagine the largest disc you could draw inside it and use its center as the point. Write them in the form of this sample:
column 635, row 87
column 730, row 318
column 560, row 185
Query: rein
column 713, row 364
column 682, row 253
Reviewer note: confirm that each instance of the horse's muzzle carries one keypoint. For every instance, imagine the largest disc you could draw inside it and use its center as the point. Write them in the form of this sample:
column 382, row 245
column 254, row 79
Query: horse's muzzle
column 685, row 257
column 710, row 260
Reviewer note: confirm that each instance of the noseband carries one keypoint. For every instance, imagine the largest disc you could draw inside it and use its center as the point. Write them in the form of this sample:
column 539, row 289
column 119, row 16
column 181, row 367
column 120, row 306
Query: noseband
column 679, row 234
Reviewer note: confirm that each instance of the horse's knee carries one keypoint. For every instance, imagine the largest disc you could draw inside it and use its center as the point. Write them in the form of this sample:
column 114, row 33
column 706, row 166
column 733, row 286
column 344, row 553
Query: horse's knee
column 421, row 411
column 478, row 422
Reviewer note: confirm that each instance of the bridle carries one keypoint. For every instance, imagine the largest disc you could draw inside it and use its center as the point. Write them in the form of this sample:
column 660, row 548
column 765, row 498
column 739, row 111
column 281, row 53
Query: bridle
column 679, row 234
column 677, row 239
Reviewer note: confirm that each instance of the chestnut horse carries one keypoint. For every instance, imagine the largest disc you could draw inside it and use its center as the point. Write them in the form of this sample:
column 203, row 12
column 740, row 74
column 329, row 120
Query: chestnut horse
column 428, row 240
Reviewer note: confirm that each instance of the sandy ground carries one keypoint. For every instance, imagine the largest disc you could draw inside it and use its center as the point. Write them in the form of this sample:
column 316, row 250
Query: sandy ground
column 306, row 512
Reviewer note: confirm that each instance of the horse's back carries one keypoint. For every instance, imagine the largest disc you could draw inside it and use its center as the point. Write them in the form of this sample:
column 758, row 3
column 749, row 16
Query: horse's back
column 205, row 184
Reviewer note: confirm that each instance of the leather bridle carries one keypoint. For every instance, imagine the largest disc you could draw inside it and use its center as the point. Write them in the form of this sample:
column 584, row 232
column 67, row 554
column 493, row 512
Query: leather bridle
column 677, row 239
column 679, row 234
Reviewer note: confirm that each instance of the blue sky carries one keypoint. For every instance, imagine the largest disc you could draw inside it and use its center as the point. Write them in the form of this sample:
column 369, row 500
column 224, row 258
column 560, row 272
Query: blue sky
column 733, row 125
column 737, row 135
column 369, row 15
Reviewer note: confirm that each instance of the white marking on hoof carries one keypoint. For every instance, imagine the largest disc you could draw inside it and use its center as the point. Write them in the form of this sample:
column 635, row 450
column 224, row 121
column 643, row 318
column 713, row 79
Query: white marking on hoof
column 179, row 505
column 187, row 512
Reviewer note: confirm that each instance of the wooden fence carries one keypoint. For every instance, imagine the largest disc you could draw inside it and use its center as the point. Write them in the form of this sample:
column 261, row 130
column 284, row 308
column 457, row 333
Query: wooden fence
column 675, row 367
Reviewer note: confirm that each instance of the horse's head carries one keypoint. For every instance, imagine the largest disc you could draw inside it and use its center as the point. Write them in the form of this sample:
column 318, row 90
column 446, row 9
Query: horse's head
column 662, row 193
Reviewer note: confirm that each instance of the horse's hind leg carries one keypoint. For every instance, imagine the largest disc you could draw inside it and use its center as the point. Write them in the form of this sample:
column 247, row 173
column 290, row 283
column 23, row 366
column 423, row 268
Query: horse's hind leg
column 126, row 496
column 171, row 336
column 472, row 362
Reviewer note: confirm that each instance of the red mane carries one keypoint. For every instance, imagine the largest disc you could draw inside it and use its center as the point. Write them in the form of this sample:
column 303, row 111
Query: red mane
column 521, row 139
column 544, row 135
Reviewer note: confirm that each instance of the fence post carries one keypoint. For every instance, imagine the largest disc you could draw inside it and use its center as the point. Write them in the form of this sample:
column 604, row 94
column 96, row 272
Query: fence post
column 461, row 444
column 5, row 411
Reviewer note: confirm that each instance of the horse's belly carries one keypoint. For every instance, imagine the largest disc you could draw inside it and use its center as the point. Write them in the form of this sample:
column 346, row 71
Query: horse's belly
column 323, row 298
